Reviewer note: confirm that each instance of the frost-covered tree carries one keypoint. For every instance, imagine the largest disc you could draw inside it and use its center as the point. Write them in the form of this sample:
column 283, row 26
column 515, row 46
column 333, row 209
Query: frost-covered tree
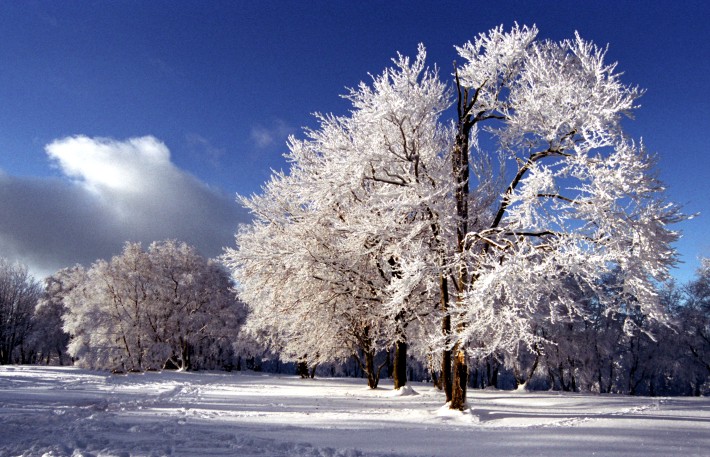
column 331, row 246
column 19, row 293
column 580, row 198
column 194, row 310
column 149, row 309
column 49, row 341
column 308, row 293
column 106, row 314
column 486, row 229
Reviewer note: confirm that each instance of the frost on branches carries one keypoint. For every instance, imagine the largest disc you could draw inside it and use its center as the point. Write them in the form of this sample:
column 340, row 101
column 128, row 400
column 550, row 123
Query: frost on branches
column 329, row 268
column 167, row 307
column 396, row 226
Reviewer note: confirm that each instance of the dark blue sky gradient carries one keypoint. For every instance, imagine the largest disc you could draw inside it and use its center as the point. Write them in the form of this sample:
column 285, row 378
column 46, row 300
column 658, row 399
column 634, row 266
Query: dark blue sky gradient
column 224, row 83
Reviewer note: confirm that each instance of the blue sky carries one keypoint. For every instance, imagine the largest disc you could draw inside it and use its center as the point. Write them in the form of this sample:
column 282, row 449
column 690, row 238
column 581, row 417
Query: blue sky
column 214, row 88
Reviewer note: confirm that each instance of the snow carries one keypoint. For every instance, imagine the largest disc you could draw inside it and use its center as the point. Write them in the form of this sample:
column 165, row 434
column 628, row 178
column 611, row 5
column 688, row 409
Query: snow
column 402, row 392
column 63, row 411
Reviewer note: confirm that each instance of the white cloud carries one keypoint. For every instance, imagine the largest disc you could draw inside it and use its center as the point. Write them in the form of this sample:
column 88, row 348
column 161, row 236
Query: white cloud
column 116, row 191
column 103, row 164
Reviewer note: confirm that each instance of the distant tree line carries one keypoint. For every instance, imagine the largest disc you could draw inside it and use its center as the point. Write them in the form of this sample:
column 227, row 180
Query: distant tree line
column 30, row 324
column 164, row 307
column 601, row 354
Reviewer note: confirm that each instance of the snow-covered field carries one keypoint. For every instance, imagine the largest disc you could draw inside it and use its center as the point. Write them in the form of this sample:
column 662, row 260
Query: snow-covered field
column 55, row 411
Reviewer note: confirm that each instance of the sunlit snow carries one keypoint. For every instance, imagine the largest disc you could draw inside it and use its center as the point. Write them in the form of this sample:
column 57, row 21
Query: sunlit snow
column 50, row 411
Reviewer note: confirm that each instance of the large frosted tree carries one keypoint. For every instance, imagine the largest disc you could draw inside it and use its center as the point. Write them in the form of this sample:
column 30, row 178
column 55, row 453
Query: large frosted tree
column 330, row 249
column 580, row 197
column 482, row 227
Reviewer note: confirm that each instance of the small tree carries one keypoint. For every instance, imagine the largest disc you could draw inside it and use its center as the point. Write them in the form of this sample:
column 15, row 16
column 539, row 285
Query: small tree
column 166, row 306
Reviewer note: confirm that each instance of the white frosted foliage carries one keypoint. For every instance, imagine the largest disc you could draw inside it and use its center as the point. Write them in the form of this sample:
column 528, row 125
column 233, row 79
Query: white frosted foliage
column 350, row 251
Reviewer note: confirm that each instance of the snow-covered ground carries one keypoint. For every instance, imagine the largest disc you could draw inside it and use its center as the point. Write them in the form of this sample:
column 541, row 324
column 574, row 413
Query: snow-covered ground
column 71, row 412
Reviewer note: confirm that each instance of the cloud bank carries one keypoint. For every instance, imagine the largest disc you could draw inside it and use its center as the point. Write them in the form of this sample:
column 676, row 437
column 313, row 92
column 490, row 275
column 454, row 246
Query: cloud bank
column 110, row 192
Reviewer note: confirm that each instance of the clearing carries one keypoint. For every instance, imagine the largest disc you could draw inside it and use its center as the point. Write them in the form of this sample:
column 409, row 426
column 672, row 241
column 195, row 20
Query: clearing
column 64, row 411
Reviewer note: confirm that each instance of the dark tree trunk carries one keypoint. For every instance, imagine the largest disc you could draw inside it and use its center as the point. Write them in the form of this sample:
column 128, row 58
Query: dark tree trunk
column 400, row 364
column 460, row 380
column 461, row 172
column 494, row 375
column 186, row 352
column 446, row 331
column 436, row 380
column 302, row 368
column 446, row 374
column 372, row 379
column 573, row 382
column 368, row 368
column 520, row 374
column 551, row 379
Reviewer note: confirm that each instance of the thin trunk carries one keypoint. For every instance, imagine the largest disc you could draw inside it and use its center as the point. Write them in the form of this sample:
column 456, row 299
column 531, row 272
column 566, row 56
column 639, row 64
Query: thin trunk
column 302, row 369
column 489, row 372
column 561, row 372
column 520, row 374
column 551, row 379
column 369, row 369
column 128, row 349
column 535, row 363
column 492, row 370
column 435, row 379
column 573, row 381
column 185, row 362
